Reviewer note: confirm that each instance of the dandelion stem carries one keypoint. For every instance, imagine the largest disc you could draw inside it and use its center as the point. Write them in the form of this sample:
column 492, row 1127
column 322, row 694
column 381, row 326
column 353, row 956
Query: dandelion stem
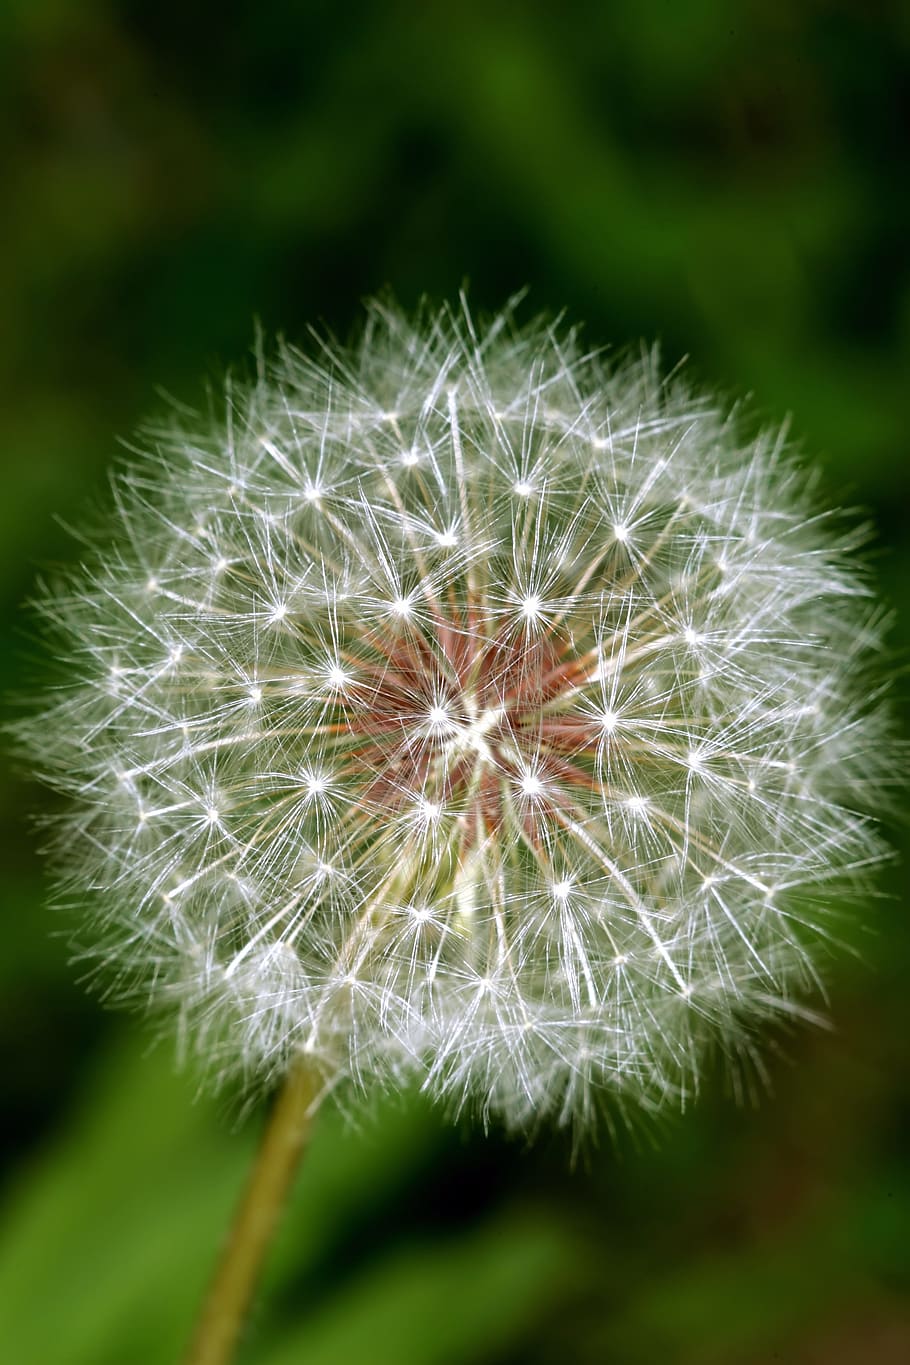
column 286, row 1134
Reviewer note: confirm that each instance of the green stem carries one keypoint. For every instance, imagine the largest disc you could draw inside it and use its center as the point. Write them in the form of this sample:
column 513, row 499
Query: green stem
column 226, row 1307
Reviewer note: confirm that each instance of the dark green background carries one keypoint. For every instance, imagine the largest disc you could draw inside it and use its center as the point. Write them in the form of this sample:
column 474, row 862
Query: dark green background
column 726, row 177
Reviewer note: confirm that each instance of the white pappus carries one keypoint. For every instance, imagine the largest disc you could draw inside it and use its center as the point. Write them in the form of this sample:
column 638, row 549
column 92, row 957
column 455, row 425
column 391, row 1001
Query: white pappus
column 462, row 705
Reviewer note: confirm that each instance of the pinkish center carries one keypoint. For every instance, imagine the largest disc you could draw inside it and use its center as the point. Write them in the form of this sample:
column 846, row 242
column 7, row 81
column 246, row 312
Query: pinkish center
column 466, row 720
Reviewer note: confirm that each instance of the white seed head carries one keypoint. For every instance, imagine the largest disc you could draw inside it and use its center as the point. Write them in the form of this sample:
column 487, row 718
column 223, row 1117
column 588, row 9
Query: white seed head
column 461, row 707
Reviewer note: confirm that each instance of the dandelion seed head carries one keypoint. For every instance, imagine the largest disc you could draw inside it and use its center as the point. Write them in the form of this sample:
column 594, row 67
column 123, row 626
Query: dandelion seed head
column 497, row 717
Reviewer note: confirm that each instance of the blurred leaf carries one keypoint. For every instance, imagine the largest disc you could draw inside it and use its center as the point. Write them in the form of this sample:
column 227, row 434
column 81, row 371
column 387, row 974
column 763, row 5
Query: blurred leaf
column 438, row 1304
column 117, row 1223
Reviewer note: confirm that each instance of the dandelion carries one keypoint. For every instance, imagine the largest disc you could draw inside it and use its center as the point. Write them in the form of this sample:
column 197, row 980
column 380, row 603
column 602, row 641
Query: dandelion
column 462, row 707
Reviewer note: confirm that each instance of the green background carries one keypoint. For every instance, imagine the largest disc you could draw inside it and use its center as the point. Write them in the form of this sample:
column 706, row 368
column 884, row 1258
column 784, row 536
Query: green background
column 728, row 178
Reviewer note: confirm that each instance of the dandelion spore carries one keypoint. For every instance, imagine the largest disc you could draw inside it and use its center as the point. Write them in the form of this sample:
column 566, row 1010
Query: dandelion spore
column 461, row 705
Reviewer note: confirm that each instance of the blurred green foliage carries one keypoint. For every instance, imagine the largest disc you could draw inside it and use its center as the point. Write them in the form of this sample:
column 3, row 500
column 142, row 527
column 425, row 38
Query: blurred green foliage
column 730, row 179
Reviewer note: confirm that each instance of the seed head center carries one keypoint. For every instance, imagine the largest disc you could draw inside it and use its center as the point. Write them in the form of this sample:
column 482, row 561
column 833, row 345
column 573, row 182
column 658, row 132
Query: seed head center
column 479, row 720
